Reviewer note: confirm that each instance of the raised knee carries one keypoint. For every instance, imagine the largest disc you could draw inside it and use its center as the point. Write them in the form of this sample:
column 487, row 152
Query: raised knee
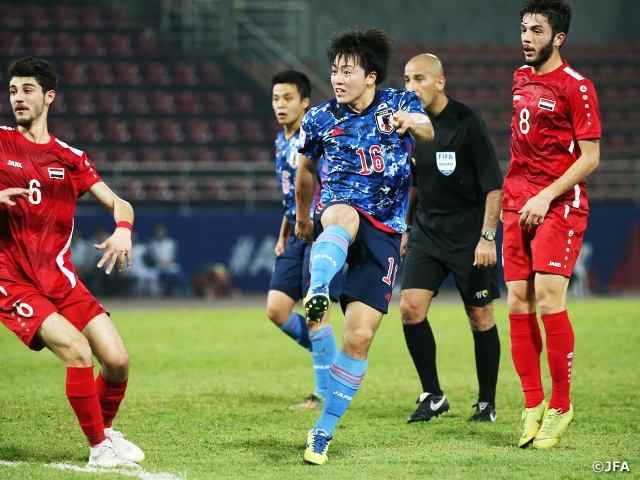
column 276, row 315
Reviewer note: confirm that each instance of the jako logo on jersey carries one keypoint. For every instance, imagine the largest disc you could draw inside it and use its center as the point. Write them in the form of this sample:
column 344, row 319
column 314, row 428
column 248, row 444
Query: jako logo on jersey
column 546, row 104
column 342, row 395
column 446, row 162
column 481, row 294
column 383, row 121
column 13, row 163
column 56, row 172
column 555, row 264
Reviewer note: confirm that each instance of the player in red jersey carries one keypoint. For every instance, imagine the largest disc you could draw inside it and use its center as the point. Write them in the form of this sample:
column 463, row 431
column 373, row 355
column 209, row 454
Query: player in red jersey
column 555, row 145
column 41, row 298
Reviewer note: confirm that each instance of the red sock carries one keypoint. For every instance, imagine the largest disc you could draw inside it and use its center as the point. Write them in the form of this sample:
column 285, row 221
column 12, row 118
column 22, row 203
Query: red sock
column 526, row 346
column 81, row 391
column 110, row 395
column 560, row 342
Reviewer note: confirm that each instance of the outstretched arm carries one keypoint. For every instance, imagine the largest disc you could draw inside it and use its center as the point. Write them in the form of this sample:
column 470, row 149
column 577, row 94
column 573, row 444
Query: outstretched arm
column 416, row 124
column 118, row 245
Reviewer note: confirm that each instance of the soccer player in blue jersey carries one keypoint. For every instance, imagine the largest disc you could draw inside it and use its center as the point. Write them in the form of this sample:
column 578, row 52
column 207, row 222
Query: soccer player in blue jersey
column 290, row 94
column 365, row 136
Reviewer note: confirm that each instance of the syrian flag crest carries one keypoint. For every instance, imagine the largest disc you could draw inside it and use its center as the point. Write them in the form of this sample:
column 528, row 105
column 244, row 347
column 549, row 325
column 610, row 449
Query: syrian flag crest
column 56, row 173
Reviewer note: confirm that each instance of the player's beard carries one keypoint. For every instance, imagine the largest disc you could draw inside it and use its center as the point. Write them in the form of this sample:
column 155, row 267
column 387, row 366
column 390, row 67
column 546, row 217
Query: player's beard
column 26, row 122
column 543, row 55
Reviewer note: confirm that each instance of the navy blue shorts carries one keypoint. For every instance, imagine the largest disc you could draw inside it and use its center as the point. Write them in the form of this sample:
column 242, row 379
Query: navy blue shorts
column 373, row 260
column 292, row 274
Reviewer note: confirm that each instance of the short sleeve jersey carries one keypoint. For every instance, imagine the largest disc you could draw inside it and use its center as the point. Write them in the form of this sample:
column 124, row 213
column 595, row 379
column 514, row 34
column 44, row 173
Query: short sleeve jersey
column 551, row 113
column 459, row 167
column 35, row 234
column 286, row 158
column 367, row 162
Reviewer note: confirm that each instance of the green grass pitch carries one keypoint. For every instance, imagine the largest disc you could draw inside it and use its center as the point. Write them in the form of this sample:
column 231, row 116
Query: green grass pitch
column 209, row 393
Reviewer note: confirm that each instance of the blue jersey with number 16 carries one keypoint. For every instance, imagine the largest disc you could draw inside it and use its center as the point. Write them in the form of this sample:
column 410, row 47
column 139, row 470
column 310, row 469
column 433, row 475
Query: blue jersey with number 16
column 367, row 162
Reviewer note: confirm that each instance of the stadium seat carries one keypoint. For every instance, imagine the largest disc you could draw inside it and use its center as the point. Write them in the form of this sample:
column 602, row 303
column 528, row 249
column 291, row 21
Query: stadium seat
column 189, row 102
column 59, row 105
column 64, row 17
column 184, row 74
column 157, row 73
column 162, row 102
column 90, row 18
column 97, row 155
column 203, row 154
column 36, row 16
column 123, row 154
column 39, row 44
column 127, row 73
column 186, row 189
column 117, row 18
column 198, row 131
column 72, row 73
column 158, row 189
column 99, row 73
column 143, row 130
column 242, row 102
column 177, row 155
column 132, row 189
column 119, row 45
column 65, row 45
column 216, row 103
column 88, row 130
column 80, row 101
column 170, row 131
column 61, row 129
column 259, row 155
column 225, row 130
column 115, row 130
column 91, row 45
column 134, row 102
column 213, row 189
column 10, row 16
column 210, row 74
column 251, row 130
column 107, row 101
column 11, row 43
column 145, row 45
column 150, row 155
column 231, row 154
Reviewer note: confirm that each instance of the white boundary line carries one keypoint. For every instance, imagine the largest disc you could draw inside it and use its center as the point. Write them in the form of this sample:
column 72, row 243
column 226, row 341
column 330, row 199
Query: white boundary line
column 140, row 472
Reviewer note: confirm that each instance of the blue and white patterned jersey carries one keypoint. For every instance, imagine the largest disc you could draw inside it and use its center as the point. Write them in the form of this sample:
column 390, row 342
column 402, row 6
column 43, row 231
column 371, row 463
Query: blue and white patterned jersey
column 286, row 158
column 368, row 163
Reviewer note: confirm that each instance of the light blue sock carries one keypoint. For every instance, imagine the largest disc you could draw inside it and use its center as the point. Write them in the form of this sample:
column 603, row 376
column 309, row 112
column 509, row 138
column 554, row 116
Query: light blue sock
column 345, row 376
column 296, row 328
column 328, row 254
column 323, row 350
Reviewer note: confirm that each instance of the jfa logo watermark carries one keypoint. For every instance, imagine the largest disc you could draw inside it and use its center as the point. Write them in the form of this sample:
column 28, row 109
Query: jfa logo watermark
column 609, row 466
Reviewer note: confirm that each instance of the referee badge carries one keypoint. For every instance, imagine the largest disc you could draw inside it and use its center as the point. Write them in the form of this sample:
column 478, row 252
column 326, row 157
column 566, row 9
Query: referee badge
column 446, row 162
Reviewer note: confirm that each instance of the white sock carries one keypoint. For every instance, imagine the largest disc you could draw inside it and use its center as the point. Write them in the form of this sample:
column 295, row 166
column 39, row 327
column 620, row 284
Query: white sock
column 98, row 448
column 108, row 431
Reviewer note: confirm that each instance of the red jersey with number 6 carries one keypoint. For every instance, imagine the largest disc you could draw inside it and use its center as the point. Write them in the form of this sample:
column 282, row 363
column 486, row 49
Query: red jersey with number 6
column 551, row 113
column 35, row 234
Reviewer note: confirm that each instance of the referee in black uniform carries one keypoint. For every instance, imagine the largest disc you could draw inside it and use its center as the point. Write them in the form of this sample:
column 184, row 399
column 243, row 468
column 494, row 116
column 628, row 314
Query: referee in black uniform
column 453, row 214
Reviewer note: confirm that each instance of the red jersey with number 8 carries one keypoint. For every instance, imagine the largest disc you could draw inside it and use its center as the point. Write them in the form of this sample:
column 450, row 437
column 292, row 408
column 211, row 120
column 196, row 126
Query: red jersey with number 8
column 551, row 113
column 35, row 234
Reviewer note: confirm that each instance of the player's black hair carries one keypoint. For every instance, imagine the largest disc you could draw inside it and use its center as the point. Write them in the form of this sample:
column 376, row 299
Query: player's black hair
column 299, row 79
column 557, row 12
column 371, row 49
column 40, row 69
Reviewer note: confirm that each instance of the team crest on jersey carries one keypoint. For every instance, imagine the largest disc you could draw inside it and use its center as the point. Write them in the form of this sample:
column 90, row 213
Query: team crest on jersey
column 383, row 121
column 56, row 173
column 446, row 162
column 546, row 104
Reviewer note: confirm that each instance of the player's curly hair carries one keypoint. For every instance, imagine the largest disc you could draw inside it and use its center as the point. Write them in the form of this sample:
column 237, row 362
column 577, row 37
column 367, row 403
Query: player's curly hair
column 40, row 69
column 371, row 49
column 558, row 13
column 299, row 79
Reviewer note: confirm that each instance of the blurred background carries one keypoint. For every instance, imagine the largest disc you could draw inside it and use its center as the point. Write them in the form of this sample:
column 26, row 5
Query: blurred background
column 171, row 100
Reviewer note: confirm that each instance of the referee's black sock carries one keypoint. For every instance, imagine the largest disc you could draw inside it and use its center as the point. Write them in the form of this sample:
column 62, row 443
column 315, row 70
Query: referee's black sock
column 422, row 347
column 487, row 349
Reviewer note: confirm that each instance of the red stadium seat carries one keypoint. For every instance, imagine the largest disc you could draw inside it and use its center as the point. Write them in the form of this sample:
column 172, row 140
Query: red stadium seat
column 115, row 130
column 134, row 102
column 117, row 18
column 119, row 45
column 198, row 131
column 143, row 130
column 80, row 101
column 123, row 155
column 97, row 155
column 127, row 73
column 177, row 155
column 65, row 45
column 158, row 189
column 145, row 45
column 214, row 189
column 64, row 17
column 88, row 130
column 11, row 43
column 225, row 130
column 10, row 16
column 91, row 18
column 99, row 73
column 35, row 16
column 184, row 74
column 242, row 102
column 231, row 154
column 186, row 189
column 132, row 190
column 162, row 102
column 251, row 130
column 107, row 101
column 157, row 73
column 39, row 44
column 61, row 129
column 189, row 102
column 210, row 74
column 202, row 154
column 91, row 45
column 215, row 102
column 150, row 155
column 72, row 73
column 170, row 131
column 259, row 155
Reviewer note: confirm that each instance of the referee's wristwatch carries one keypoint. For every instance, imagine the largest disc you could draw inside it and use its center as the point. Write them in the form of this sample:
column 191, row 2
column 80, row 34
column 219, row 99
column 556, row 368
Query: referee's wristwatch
column 488, row 236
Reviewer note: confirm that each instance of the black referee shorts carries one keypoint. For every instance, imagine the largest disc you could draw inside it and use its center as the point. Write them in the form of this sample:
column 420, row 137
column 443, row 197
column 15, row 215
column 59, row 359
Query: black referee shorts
column 443, row 244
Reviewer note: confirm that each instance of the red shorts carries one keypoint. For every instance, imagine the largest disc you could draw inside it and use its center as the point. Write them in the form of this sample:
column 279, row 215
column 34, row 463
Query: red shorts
column 23, row 309
column 551, row 247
